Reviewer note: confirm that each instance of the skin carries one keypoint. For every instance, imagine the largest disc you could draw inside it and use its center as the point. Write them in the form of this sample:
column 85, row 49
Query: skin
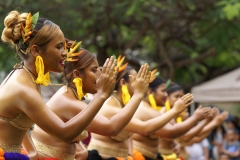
column 136, row 125
column 231, row 139
column 66, row 106
column 150, row 142
column 166, row 146
column 28, row 100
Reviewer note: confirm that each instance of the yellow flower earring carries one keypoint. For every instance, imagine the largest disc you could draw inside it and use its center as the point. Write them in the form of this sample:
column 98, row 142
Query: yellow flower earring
column 78, row 84
column 125, row 94
column 42, row 78
column 153, row 102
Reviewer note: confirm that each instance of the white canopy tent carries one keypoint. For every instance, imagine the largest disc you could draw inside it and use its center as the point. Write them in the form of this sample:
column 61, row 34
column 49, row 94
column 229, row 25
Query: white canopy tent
column 223, row 91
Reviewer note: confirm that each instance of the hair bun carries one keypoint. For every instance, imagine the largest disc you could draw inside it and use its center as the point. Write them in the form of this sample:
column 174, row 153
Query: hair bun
column 12, row 31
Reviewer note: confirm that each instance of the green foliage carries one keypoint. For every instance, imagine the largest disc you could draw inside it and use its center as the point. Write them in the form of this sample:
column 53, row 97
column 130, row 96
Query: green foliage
column 187, row 41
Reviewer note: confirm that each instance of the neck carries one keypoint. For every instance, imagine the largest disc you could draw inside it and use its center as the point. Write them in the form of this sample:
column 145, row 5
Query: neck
column 145, row 99
column 118, row 95
column 31, row 68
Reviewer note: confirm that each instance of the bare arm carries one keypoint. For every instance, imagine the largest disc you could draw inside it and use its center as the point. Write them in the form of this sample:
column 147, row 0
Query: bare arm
column 39, row 113
column 119, row 118
column 29, row 147
column 150, row 126
column 206, row 153
column 177, row 130
column 194, row 131
column 209, row 127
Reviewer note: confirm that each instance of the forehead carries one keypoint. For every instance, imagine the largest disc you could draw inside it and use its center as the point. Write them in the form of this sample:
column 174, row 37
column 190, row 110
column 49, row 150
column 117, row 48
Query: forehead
column 133, row 72
column 162, row 86
column 93, row 64
column 59, row 37
column 177, row 92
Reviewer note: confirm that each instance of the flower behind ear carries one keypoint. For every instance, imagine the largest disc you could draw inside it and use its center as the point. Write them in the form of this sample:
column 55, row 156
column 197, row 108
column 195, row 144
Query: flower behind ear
column 120, row 60
column 71, row 56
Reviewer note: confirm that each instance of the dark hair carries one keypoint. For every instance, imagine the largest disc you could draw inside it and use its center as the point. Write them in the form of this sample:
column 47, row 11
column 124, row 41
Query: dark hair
column 155, row 83
column 123, row 74
column 43, row 33
column 84, row 60
column 173, row 88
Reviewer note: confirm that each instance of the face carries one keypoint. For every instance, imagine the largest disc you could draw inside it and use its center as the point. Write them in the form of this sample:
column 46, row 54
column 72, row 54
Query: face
column 55, row 54
column 173, row 97
column 134, row 74
column 230, row 135
column 90, row 78
column 160, row 95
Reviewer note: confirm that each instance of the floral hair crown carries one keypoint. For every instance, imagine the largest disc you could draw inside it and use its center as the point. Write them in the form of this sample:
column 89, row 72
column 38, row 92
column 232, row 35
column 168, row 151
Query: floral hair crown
column 120, row 60
column 71, row 56
column 27, row 30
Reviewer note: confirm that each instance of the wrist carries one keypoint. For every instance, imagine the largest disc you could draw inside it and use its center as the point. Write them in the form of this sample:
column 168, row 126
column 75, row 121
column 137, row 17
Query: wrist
column 102, row 96
column 195, row 118
column 138, row 95
column 175, row 111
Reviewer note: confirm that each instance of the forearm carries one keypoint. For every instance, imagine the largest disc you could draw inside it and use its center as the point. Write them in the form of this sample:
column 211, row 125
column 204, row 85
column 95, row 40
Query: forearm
column 157, row 123
column 209, row 127
column 29, row 146
column 206, row 153
column 82, row 120
column 179, row 129
column 194, row 131
column 122, row 118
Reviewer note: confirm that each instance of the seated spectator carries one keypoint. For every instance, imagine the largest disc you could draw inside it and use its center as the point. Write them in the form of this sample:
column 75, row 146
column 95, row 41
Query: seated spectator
column 231, row 147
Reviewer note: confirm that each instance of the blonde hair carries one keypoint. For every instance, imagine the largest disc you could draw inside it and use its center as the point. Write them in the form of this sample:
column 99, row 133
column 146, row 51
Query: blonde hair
column 43, row 33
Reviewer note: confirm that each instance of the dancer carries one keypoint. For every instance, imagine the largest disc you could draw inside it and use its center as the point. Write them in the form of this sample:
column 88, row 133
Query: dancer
column 40, row 45
column 106, row 147
column 146, row 146
column 67, row 103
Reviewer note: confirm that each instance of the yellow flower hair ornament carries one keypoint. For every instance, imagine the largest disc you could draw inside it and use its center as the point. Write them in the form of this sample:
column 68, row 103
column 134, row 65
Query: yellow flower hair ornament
column 154, row 74
column 120, row 60
column 71, row 51
column 27, row 30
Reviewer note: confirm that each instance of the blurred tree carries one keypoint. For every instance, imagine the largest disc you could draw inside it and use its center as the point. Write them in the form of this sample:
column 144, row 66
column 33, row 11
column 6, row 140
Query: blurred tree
column 188, row 41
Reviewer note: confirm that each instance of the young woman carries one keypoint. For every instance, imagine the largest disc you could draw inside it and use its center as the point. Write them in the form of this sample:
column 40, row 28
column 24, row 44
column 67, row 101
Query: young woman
column 40, row 44
column 147, row 145
column 106, row 147
column 68, row 104
column 166, row 146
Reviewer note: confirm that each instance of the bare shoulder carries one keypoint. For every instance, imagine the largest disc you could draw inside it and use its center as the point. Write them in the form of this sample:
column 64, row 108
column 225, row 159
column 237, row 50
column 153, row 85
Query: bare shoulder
column 143, row 109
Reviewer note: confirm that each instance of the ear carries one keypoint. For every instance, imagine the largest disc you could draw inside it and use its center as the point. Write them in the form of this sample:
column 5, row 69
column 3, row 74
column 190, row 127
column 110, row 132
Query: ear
column 76, row 74
column 149, row 91
column 35, row 50
column 122, row 82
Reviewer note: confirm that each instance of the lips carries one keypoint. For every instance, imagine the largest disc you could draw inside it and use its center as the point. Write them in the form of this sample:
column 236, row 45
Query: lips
column 62, row 62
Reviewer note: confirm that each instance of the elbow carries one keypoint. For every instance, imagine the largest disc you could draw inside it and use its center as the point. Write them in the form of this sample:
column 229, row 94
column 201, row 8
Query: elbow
column 172, row 135
column 185, row 138
column 111, row 131
column 146, row 131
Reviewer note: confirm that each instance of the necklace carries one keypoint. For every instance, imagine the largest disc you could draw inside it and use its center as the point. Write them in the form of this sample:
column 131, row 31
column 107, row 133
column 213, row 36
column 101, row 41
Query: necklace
column 74, row 91
column 30, row 73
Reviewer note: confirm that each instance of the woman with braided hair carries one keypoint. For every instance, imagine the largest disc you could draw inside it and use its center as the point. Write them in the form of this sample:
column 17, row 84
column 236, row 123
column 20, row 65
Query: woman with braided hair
column 40, row 44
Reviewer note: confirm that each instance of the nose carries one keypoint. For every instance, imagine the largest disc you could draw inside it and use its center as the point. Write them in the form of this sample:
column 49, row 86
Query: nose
column 64, row 53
